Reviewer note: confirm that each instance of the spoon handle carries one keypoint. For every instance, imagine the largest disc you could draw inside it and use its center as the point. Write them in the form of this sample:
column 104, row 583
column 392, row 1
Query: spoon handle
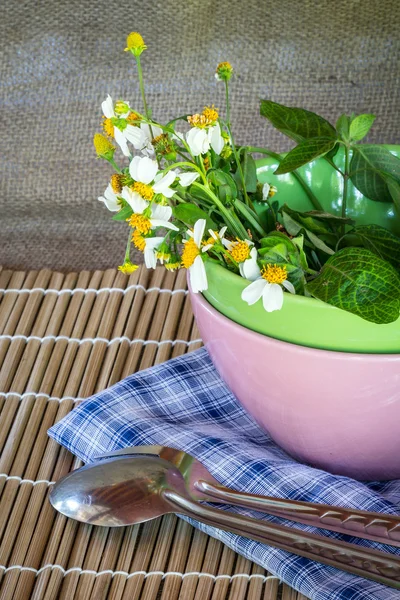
column 378, row 527
column 365, row 562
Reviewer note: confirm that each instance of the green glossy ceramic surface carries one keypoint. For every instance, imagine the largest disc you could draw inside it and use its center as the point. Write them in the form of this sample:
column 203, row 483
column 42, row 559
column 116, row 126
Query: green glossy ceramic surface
column 307, row 321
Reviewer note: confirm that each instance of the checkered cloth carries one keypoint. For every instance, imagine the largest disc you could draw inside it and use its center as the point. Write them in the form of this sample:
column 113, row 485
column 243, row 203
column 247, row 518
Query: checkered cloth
column 183, row 403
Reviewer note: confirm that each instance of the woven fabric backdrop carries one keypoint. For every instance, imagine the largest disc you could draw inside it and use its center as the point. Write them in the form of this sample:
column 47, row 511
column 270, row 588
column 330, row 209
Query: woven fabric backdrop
column 61, row 58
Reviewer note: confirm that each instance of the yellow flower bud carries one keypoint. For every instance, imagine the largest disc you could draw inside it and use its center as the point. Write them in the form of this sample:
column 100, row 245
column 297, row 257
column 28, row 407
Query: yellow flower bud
column 224, row 71
column 121, row 108
column 135, row 44
column 103, row 146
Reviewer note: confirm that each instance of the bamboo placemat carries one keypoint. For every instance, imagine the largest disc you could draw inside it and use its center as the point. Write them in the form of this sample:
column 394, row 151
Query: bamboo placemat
column 64, row 337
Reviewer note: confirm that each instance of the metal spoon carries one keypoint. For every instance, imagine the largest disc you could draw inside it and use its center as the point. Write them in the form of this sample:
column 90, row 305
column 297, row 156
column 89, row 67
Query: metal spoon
column 133, row 489
column 201, row 485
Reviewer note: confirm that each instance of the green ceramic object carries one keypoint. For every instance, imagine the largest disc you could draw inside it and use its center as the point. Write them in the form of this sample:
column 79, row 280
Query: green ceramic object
column 307, row 321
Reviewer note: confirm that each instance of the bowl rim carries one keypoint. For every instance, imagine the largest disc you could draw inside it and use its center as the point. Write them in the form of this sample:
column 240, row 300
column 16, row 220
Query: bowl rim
column 288, row 346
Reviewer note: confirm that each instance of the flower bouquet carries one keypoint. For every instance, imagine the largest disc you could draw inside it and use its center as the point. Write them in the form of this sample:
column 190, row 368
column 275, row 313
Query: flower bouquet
column 188, row 195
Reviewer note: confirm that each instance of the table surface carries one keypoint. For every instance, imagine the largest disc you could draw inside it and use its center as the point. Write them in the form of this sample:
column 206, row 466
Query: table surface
column 64, row 337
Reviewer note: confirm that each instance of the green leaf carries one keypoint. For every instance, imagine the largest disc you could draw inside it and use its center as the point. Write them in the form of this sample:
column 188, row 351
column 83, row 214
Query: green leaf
column 291, row 226
column 343, row 126
column 189, row 213
column 360, row 126
column 296, row 123
column 123, row 214
column 305, row 152
column 276, row 254
column 356, row 280
column 381, row 242
column 394, row 191
column 224, row 183
column 370, row 168
column 318, row 243
column 276, row 237
column 250, row 173
column 325, row 216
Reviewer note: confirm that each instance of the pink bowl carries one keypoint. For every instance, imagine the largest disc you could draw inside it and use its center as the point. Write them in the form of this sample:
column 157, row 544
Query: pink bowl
column 335, row 410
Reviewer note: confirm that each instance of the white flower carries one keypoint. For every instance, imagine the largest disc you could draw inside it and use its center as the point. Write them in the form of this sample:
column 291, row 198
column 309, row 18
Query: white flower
column 217, row 236
column 145, row 170
column 110, row 199
column 150, row 251
column 186, row 179
column 271, row 293
column 192, row 260
column 131, row 133
column 152, row 215
column 198, row 141
column 246, row 257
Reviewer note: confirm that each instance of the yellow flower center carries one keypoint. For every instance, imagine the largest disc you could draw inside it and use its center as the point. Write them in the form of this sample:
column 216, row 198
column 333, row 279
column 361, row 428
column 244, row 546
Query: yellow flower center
column 108, row 127
column 208, row 117
column 224, row 71
column 274, row 273
column 240, row 251
column 172, row 266
column 102, row 144
column 133, row 118
column 141, row 223
column 116, row 183
column 144, row 190
column 134, row 41
column 210, row 240
column 128, row 267
column 210, row 113
column 190, row 252
column 138, row 240
column 161, row 255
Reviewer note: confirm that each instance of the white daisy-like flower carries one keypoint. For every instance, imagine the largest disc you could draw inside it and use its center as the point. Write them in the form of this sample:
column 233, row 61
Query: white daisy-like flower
column 200, row 140
column 150, row 251
column 268, row 286
column 130, row 133
column 110, row 199
column 148, row 181
column 245, row 254
column 217, row 236
column 147, row 216
column 192, row 259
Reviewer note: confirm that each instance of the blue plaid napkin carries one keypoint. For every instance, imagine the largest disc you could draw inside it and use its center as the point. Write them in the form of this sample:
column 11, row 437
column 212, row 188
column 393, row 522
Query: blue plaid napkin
column 183, row 403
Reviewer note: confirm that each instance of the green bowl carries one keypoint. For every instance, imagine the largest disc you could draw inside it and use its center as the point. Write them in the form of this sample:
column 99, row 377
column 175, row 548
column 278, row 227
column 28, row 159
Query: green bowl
column 307, row 321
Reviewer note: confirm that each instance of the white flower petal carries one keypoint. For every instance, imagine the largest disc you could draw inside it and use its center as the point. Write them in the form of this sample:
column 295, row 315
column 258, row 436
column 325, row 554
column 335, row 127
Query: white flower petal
column 110, row 199
column 135, row 136
column 272, row 297
column 121, row 141
column 161, row 212
column 198, row 141
column 216, row 140
column 161, row 223
column 198, row 231
column 186, row 179
column 265, row 190
column 222, row 232
column 198, row 276
column 253, row 292
column 108, row 107
column 289, row 286
column 162, row 186
column 145, row 127
column 133, row 167
column 146, row 169
column 249, row 269
column 207, row 247
column 135, row 201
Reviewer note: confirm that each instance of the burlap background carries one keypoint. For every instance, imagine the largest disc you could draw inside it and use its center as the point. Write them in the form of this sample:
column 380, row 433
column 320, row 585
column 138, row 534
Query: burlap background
column 60, row 59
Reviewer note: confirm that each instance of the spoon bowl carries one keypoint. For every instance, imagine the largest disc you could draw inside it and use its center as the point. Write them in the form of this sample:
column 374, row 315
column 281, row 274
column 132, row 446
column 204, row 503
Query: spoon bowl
column 116, row 492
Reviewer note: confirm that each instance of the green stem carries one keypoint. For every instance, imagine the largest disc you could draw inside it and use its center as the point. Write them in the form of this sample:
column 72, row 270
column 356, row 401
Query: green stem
column 235, row 225
column 128, row 248
column 141, row 85
column 250, row 216
column 345, row 185
column 114, row 164
column 235, row 154
column 296, row 175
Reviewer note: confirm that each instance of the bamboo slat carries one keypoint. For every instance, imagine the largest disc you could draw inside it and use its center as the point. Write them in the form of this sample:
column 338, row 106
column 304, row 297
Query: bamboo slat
column 64, row 337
